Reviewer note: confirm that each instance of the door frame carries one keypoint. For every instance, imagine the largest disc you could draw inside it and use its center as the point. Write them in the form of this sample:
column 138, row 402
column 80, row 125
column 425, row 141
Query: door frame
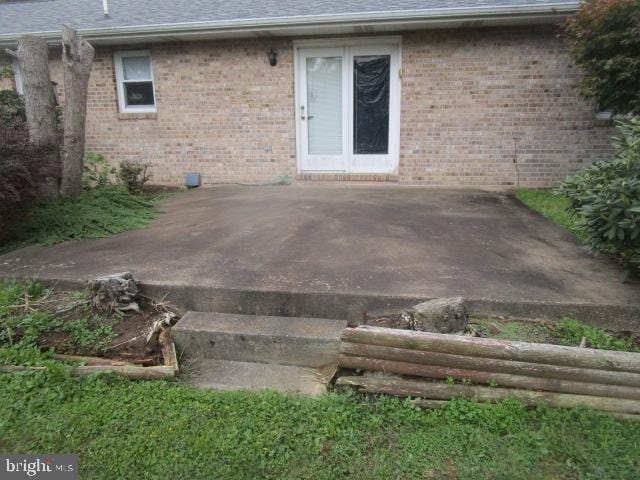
column 395, row 95
column 303, row 132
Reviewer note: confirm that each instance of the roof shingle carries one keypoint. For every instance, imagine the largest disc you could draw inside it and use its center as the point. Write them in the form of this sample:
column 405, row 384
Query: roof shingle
column 22, row 16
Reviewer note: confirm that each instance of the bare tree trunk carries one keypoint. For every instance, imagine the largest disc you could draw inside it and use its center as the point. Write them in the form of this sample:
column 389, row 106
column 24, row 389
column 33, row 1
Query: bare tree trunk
column 77, row 58
column 40, row 106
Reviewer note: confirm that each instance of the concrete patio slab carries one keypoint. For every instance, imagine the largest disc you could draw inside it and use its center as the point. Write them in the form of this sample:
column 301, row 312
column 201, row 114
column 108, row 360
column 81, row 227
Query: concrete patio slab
column 311, row 248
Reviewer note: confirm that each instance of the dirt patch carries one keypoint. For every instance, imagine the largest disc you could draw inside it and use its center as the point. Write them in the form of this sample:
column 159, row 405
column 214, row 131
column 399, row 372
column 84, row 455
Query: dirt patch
column 65, row 321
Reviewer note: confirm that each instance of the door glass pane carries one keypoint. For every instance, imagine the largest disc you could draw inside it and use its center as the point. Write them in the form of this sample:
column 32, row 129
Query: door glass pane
column 324, row 105
column 371, row 104
column 136, row 68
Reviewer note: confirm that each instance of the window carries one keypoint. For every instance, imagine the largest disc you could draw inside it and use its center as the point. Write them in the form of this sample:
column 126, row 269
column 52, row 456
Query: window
column 134, row 76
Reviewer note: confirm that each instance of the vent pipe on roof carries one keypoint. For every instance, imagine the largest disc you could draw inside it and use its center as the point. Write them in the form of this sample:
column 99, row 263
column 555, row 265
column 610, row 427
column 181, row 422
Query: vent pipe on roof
column 105, row 7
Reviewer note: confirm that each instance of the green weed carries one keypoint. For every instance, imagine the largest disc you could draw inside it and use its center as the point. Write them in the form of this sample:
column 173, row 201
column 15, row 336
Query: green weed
column 571, row 332
column 22, row 326
column 554, row 207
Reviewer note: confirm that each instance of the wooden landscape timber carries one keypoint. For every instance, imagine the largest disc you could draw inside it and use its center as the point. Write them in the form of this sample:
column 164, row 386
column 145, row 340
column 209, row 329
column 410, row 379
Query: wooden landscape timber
column 557, row 375
column 443, row 392
column 491, row 365
column 498, row 349
column 168, row 349
column 131, row 371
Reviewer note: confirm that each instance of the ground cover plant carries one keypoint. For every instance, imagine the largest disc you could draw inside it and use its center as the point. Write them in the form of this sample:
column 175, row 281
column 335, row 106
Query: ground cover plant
column 36, row 322
column 159, row 430
column 568, row 331
column 96, row 213
column 104, row 208
column 553, row 206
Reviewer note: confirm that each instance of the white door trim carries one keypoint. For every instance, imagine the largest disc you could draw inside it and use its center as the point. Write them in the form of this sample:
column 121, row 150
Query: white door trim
column 359, row 43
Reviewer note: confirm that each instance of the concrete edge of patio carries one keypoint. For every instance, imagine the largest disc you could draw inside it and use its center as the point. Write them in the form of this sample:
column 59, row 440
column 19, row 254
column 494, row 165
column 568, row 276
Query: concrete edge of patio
column 351, row 307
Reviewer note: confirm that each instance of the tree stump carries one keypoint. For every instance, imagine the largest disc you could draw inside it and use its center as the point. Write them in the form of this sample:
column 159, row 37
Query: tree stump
column 442, row 315
column 114, row 292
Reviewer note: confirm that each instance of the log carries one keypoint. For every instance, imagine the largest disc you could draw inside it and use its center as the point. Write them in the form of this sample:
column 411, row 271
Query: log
column 91, row 361
column 442, row 391
column 134, row 373
column 77, row 59
column 492, row 348
column 491, row 364
column 168, row 348
column 18, row 368
column 502, row 379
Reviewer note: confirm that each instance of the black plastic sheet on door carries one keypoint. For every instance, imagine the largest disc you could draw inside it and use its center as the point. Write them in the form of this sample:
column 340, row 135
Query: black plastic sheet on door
column 371, row 104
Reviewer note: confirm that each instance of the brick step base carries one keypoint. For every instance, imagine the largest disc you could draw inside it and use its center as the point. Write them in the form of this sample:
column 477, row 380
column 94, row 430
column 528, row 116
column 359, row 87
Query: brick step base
column 346, row 177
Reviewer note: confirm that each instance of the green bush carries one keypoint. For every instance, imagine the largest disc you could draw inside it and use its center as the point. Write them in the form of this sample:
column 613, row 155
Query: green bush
column 133, row 176
column 606, row 196
column 11, row 106
column 604, row 38
column 96, row 171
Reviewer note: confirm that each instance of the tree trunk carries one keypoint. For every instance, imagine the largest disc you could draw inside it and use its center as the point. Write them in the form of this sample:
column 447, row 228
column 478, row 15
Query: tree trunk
column 77, row 58
column 40, row 106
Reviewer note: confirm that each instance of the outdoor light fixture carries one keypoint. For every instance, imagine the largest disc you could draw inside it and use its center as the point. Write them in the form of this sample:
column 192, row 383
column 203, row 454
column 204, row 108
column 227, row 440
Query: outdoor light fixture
column 273, row 57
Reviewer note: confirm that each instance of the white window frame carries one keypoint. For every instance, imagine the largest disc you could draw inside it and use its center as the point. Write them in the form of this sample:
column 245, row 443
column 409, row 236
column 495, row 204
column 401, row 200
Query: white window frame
column 117, row 57
column 17, row 78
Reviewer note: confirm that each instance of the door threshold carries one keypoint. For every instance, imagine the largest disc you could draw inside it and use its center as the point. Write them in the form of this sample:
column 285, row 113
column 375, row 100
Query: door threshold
column 347, row 177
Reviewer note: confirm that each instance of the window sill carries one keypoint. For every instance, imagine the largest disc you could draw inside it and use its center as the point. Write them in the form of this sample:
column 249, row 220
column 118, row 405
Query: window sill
column 137, row 116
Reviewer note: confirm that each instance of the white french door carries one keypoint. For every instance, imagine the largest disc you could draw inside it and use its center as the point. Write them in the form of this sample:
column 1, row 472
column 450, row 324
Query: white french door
column 348, row 102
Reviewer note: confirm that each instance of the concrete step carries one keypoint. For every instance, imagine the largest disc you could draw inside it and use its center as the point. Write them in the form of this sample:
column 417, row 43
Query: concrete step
column 305, row 342
column 233, row 375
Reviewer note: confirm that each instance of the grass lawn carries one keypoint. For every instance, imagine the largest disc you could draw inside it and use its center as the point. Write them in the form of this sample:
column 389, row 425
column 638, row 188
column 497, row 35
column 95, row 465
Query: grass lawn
column 96, row 213
column 158, row 430
column 551, row 206
column 166, row 430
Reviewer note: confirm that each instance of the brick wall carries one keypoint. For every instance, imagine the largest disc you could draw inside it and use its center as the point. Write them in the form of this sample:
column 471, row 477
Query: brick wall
column 222, row 110
column 469, row 98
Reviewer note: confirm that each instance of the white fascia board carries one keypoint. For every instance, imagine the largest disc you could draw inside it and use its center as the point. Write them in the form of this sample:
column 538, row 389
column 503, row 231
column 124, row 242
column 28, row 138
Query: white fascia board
column 432, row 17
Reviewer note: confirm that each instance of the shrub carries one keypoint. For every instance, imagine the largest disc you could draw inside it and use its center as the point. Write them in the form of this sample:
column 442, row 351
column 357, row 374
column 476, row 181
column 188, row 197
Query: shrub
column 13, row 127
column 96, row 171
column 133, row 175
column 606, row 196
column 18, row 162
column 11, row 106
column 604, row 38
